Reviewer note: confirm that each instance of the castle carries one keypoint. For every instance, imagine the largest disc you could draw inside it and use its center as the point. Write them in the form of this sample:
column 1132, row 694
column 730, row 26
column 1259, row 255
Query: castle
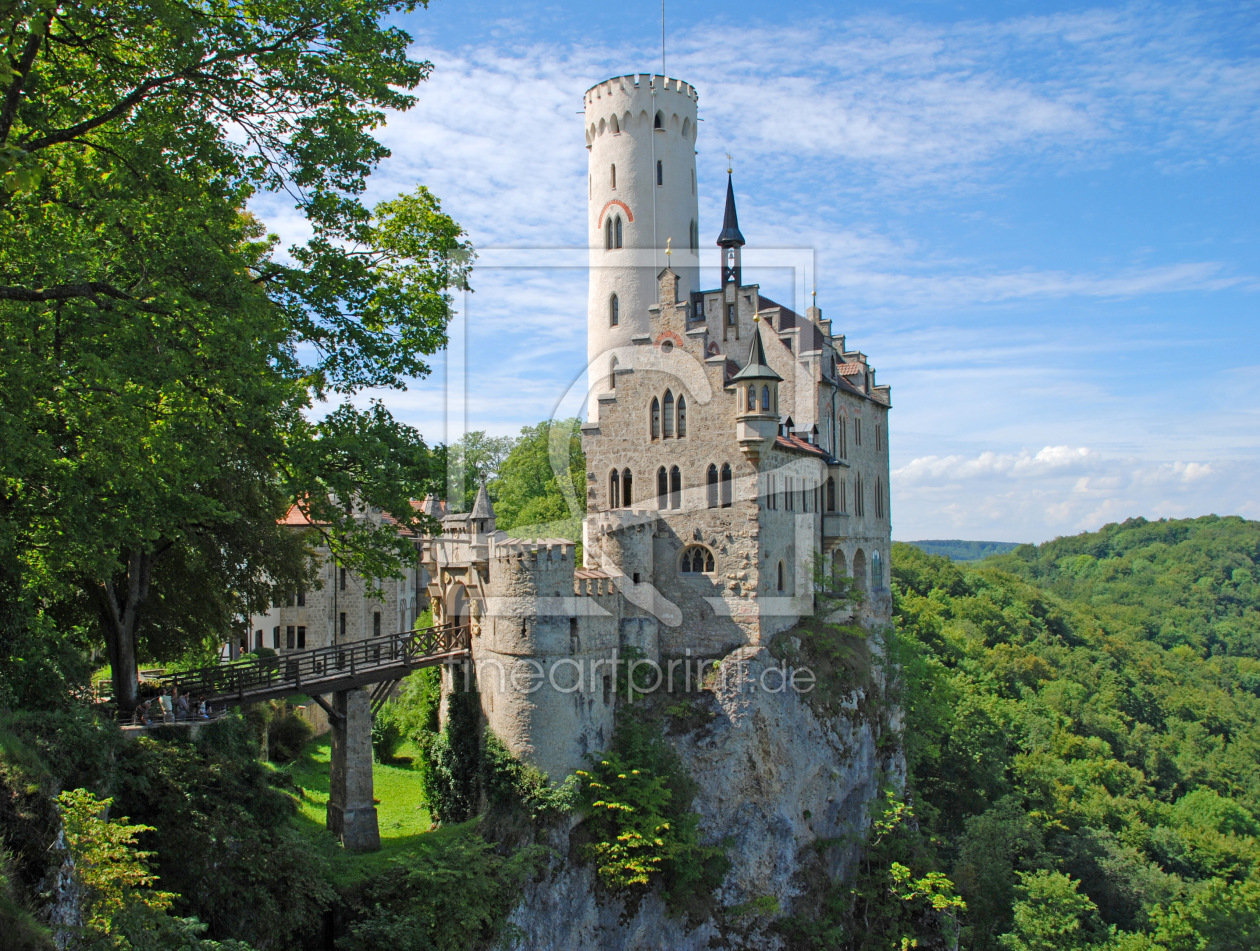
column 734, row 449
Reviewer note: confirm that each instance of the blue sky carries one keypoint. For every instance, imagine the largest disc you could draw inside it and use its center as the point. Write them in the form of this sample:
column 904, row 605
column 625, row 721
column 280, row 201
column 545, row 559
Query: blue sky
column 1040, row 221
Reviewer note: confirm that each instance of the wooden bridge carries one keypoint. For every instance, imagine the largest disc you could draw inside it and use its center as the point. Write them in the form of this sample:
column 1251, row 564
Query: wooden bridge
column 342, row 671
column 382, row 661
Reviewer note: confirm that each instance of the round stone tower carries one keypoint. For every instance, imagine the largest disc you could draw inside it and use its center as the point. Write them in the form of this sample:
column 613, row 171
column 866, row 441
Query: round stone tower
column 640, row 137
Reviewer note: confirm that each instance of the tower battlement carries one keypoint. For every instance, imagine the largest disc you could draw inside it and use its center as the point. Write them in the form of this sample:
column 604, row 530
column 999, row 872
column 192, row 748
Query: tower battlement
column 639, row 82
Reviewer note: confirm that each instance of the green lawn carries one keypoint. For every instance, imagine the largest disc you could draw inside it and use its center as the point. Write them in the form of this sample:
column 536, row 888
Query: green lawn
column 404, row 819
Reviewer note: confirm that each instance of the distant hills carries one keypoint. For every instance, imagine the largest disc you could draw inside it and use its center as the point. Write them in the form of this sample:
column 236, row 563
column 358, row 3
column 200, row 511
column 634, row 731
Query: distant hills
column 957, row 549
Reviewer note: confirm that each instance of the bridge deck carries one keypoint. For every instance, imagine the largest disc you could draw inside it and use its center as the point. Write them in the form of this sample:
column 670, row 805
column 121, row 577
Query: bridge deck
column 324, row 669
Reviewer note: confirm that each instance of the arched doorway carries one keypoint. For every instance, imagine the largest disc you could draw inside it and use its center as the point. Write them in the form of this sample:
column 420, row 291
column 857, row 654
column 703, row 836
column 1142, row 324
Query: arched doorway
column 458, row 609
column 859, row 570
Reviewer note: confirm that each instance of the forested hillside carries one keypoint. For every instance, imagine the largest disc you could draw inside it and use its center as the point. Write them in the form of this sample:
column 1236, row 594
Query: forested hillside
column 1083, row 735
column 957, row 549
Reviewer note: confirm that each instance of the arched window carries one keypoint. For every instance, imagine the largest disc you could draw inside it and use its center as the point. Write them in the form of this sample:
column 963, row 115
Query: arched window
column 765, row 399
column 682, row 415
column 627, row 488
column 614, row 311
column 693, row 191
column 662, row 488
column 711, row 480
column 614, row 490
column 612, row 373
column 859, row 495
column 660, row 172
column 694, row 233
column 668, row 420
column 613, row 176
column 726, row 485
column 831, row 494
column 617, row 232
column 656, row 418
column 879, row 504
column 780, row 578
column 613, row 127
column 877, row 571
column 608, row 234
column 675, row 488
column 696, row 560
column 752, row 397
column 659, row 121
column 842, row 438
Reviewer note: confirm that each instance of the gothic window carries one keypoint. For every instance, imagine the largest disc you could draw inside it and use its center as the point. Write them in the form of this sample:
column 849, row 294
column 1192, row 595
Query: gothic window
column 879, row 498
column 612, row 373
column 627, row 485
column 789, row 494
column 662, row 488
column 831, row 494
column 877, row 571
column 614, row 490
column 614, row 127
column 879, row 438
column 667, row 420
column 857, row 432
column 859, row 496
column 696, row 560
column 660, row 172
column 376, row 623
column 842, row 441
column 844, row 495
column 659, row 121
column 682, row 415
column 711, row 480
column 656, row 418
column 694, row 232
column 765, row 399
column 613, row 175
column 752, row 397
column 726, row 485
column 617, row 232
column 608, row 233
column 772, row 501
column 614, row 311
column 675, row 488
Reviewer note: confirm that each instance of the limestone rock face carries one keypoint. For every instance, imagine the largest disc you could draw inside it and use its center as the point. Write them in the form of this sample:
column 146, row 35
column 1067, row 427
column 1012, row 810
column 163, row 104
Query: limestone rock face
column 774, row 778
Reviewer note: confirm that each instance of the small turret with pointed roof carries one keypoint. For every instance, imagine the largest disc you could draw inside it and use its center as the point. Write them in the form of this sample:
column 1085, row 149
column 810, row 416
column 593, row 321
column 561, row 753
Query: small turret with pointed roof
column 730, row 241
column 757, row 400
column 756, row 368
column 481, row 517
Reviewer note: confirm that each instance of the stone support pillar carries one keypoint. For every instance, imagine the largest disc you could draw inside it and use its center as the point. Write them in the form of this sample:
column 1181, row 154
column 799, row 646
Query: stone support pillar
column 351, row 812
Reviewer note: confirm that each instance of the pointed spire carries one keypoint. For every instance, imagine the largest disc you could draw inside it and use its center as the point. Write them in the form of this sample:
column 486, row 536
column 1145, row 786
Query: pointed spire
column 730, row 236
column 481, row 506
column 756, row 368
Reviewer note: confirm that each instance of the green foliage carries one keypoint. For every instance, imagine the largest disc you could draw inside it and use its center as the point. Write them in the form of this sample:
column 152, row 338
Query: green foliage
column 159, row 352
column 20, row 929
column 637, row 798
column 287, row 733
column 453, row 771
column 511, row 784
column 1082, row 726
column 449, row 900
column 541, row 487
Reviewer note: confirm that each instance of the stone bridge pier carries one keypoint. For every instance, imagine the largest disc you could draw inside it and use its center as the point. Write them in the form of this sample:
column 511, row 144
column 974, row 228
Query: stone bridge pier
column 351, row 808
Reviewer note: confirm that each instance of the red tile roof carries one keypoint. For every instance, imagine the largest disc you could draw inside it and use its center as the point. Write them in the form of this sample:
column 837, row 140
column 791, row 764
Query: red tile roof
column 798, row 444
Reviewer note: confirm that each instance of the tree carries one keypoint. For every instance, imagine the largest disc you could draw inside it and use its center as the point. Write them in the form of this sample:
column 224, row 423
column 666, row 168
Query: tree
column 1051, row 914
column 542, row 481
column 474, row 459
column 159, row 358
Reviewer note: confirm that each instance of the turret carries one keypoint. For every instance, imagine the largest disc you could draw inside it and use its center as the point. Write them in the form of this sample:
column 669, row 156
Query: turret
column 641, row 191
column 757, row 400
column 730, row 241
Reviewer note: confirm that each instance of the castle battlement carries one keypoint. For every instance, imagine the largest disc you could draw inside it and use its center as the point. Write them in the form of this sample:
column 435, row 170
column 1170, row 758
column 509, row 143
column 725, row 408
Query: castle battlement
column 641, row 82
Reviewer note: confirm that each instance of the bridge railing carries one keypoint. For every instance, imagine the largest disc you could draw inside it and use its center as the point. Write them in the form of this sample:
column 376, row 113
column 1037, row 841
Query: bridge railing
column 307, row 670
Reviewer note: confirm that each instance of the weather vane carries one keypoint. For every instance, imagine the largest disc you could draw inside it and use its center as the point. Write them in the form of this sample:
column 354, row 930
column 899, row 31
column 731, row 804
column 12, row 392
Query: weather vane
column 668, row 252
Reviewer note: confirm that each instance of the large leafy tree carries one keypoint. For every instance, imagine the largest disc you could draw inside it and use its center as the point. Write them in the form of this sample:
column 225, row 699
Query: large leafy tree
column 160, row 356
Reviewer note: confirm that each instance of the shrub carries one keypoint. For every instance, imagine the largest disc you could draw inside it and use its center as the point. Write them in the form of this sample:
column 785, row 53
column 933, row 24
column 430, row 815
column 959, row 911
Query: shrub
column 452, row 774
column 387, row 736
column 287, row 734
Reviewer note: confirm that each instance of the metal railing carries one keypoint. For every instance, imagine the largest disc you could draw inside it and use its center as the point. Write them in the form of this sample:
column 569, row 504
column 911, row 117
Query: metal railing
column 324, row 669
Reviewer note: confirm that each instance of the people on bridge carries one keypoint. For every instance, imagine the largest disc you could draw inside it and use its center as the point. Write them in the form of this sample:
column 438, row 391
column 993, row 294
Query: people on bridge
column 181, row 707
column 168, row 706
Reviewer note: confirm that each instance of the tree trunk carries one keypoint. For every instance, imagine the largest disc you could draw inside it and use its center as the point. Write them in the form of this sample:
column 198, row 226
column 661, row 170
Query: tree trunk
column 122, row 606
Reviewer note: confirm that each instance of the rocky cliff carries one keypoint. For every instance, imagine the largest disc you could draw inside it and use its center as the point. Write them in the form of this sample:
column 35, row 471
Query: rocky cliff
column 784, row 781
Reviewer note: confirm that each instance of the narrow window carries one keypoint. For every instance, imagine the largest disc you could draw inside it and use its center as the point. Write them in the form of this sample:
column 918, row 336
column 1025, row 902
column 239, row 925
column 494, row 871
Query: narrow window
column 771, row 503
column 780, row 583
column 857, row 432
column 859, row 496
column 612, row 373
column 711, row 480
column 342, row 625
column 842, row 440
column 877, row 571
column 289, row 642
column 668, row 421
column 879, row 437
column 614, row 490
column 844, row 495
column 614, row 311
column 343, row 579
column 301, row 599
column 831, row 494
column 662, row 488
column 575, row 641
column 730, row 315
column 607, row 689
column 765, row 399
column 659, row 121
column 376, row 623
column 695, row 236
column 752, row 397
column 682, row 415
column 656, row 418
column 614, row 176
column 660, row 172
column 275, row 638
column 726, row 485
column 608, row 234
column 693, row 191
column 789, row 498
column 301, row 637
column 258, row 639
column 617, row 232
column 627, row 485
column 675, row 488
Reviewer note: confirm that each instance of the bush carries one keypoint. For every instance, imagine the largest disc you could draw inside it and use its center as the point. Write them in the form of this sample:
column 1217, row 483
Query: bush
column 452, row 774
column 287, row 734
column 387, row 736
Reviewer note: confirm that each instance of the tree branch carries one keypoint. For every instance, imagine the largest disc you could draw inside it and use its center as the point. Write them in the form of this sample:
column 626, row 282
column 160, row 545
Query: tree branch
column 14, row 94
